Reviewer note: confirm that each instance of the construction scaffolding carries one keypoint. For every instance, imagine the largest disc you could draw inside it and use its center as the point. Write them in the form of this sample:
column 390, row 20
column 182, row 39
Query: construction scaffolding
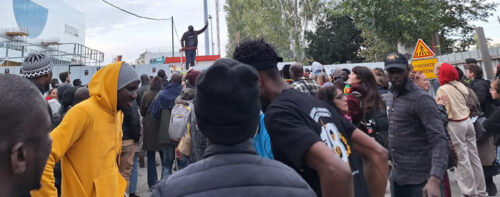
column 15, row 45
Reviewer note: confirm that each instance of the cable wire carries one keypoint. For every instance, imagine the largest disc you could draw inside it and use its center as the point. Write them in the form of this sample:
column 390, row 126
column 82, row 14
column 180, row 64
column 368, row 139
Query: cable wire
column 136, row 15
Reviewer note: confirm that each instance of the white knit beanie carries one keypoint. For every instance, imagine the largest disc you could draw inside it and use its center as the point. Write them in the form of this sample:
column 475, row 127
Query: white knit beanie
column 36, row 65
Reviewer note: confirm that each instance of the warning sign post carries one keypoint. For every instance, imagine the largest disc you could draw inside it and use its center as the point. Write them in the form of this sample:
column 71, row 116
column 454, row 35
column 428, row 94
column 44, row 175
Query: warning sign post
column 422, row 50
column 425, row 66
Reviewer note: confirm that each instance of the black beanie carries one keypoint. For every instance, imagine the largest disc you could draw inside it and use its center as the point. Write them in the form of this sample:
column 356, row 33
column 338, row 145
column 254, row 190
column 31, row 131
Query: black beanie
column 227, row 103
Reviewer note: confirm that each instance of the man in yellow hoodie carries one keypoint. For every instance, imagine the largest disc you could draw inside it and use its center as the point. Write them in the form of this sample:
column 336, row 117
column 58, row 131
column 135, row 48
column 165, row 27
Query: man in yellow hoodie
column 88, row 140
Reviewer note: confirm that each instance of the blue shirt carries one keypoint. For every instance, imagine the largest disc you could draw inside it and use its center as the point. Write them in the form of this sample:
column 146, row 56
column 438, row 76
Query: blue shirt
column 262, row 141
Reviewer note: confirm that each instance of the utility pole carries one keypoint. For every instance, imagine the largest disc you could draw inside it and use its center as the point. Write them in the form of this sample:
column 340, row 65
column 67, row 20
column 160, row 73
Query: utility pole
column 211, row 34
column 172, row 36
column 207, row 47
column 485, row 53
column 217, row 21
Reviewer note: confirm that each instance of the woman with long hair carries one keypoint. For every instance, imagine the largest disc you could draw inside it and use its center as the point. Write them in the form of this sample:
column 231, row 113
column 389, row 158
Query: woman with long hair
column 151, row 128
column 364, row 97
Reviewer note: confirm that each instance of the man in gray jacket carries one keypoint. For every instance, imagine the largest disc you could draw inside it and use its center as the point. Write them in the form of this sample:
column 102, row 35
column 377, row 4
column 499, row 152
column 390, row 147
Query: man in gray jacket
column 227, row 111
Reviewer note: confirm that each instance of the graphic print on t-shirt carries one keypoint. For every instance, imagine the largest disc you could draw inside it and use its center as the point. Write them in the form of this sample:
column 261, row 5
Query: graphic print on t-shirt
column 191, row 39
column 330, row 134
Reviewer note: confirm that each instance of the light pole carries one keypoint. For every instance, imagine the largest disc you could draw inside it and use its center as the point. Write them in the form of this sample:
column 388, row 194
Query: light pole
column 211, row 33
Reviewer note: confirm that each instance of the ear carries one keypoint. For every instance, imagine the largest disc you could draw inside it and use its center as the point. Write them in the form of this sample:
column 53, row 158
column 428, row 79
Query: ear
column 18, row 158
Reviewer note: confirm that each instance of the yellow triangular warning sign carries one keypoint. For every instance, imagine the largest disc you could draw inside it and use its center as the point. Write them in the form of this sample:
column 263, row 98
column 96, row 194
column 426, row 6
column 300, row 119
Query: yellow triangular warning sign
column 422, row 50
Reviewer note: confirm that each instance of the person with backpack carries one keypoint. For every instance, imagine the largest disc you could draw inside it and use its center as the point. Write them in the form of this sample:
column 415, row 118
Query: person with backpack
column 161, row 109
column 469, row 171
column 366, row 107
column 301, row 83
column 184, row 109
column 189, row 42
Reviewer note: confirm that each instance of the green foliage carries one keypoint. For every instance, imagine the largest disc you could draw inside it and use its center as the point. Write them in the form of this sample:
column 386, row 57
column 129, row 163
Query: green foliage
column 264, row 19
column 404, row 21
column 336, row 40
column 256, row 19
column 296, row 27
column 374, row 49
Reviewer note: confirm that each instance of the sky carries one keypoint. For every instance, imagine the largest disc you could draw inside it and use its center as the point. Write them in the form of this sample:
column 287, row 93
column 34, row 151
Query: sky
column 117, row 33
column 491, row 27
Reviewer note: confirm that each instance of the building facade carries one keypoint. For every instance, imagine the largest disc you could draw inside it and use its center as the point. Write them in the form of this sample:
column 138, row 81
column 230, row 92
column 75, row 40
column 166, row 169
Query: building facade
column 40, row 24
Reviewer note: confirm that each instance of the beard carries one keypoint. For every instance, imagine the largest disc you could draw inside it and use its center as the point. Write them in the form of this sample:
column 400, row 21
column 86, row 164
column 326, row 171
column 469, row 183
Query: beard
column 399, row 86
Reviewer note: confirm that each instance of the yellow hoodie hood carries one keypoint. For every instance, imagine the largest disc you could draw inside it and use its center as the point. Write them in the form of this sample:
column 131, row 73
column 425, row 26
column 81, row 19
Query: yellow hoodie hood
column 103, row 86
column 88, row 143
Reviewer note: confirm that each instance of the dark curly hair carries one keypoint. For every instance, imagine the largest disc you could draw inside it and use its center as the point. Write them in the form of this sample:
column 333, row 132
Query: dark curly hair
column 473, row 68
column 252, row 49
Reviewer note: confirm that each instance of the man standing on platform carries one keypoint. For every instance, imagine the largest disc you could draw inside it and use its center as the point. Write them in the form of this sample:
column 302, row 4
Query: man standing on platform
column 189, row 42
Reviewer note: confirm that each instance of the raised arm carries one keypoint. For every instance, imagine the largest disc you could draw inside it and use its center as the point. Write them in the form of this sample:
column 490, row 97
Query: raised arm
column 202, row 29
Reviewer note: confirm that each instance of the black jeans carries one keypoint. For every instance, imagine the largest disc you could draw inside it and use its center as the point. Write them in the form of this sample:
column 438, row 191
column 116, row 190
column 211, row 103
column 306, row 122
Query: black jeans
column 407, row 190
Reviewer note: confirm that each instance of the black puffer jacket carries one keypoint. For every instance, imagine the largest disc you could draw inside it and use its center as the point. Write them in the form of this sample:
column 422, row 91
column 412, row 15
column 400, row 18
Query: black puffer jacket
column 234, row 171
column 131, row 123
column 482, row 89
column 492, row 124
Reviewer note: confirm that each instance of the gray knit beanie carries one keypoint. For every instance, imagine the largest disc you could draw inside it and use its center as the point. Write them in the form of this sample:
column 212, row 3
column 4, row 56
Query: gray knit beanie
column 36, row 65
column 127, row 76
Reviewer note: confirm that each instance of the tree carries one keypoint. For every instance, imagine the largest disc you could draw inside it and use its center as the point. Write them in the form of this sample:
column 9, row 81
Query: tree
column 256, row 19
column 336, row 40
column 374, row 49
column 282, row 23
column 401, row 22
column 302, row 14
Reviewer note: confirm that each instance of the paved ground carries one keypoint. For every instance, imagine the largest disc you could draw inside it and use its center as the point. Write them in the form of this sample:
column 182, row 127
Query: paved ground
column 143, row 190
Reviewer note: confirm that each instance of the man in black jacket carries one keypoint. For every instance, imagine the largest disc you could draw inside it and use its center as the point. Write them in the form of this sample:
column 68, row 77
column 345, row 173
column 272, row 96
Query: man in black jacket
column 481, row 87
column 189, row 42
column 131, row 133
column 231, row 166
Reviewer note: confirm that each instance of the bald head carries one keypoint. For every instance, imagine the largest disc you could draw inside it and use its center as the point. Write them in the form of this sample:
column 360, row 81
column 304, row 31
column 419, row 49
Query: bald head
column 296, row 71
column 176, row 78
column 24, row 137
column 19, row 101
column 81, row 94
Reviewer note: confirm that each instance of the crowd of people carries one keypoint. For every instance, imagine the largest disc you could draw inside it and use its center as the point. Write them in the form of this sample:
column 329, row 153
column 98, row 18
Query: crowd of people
column 242, row 128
